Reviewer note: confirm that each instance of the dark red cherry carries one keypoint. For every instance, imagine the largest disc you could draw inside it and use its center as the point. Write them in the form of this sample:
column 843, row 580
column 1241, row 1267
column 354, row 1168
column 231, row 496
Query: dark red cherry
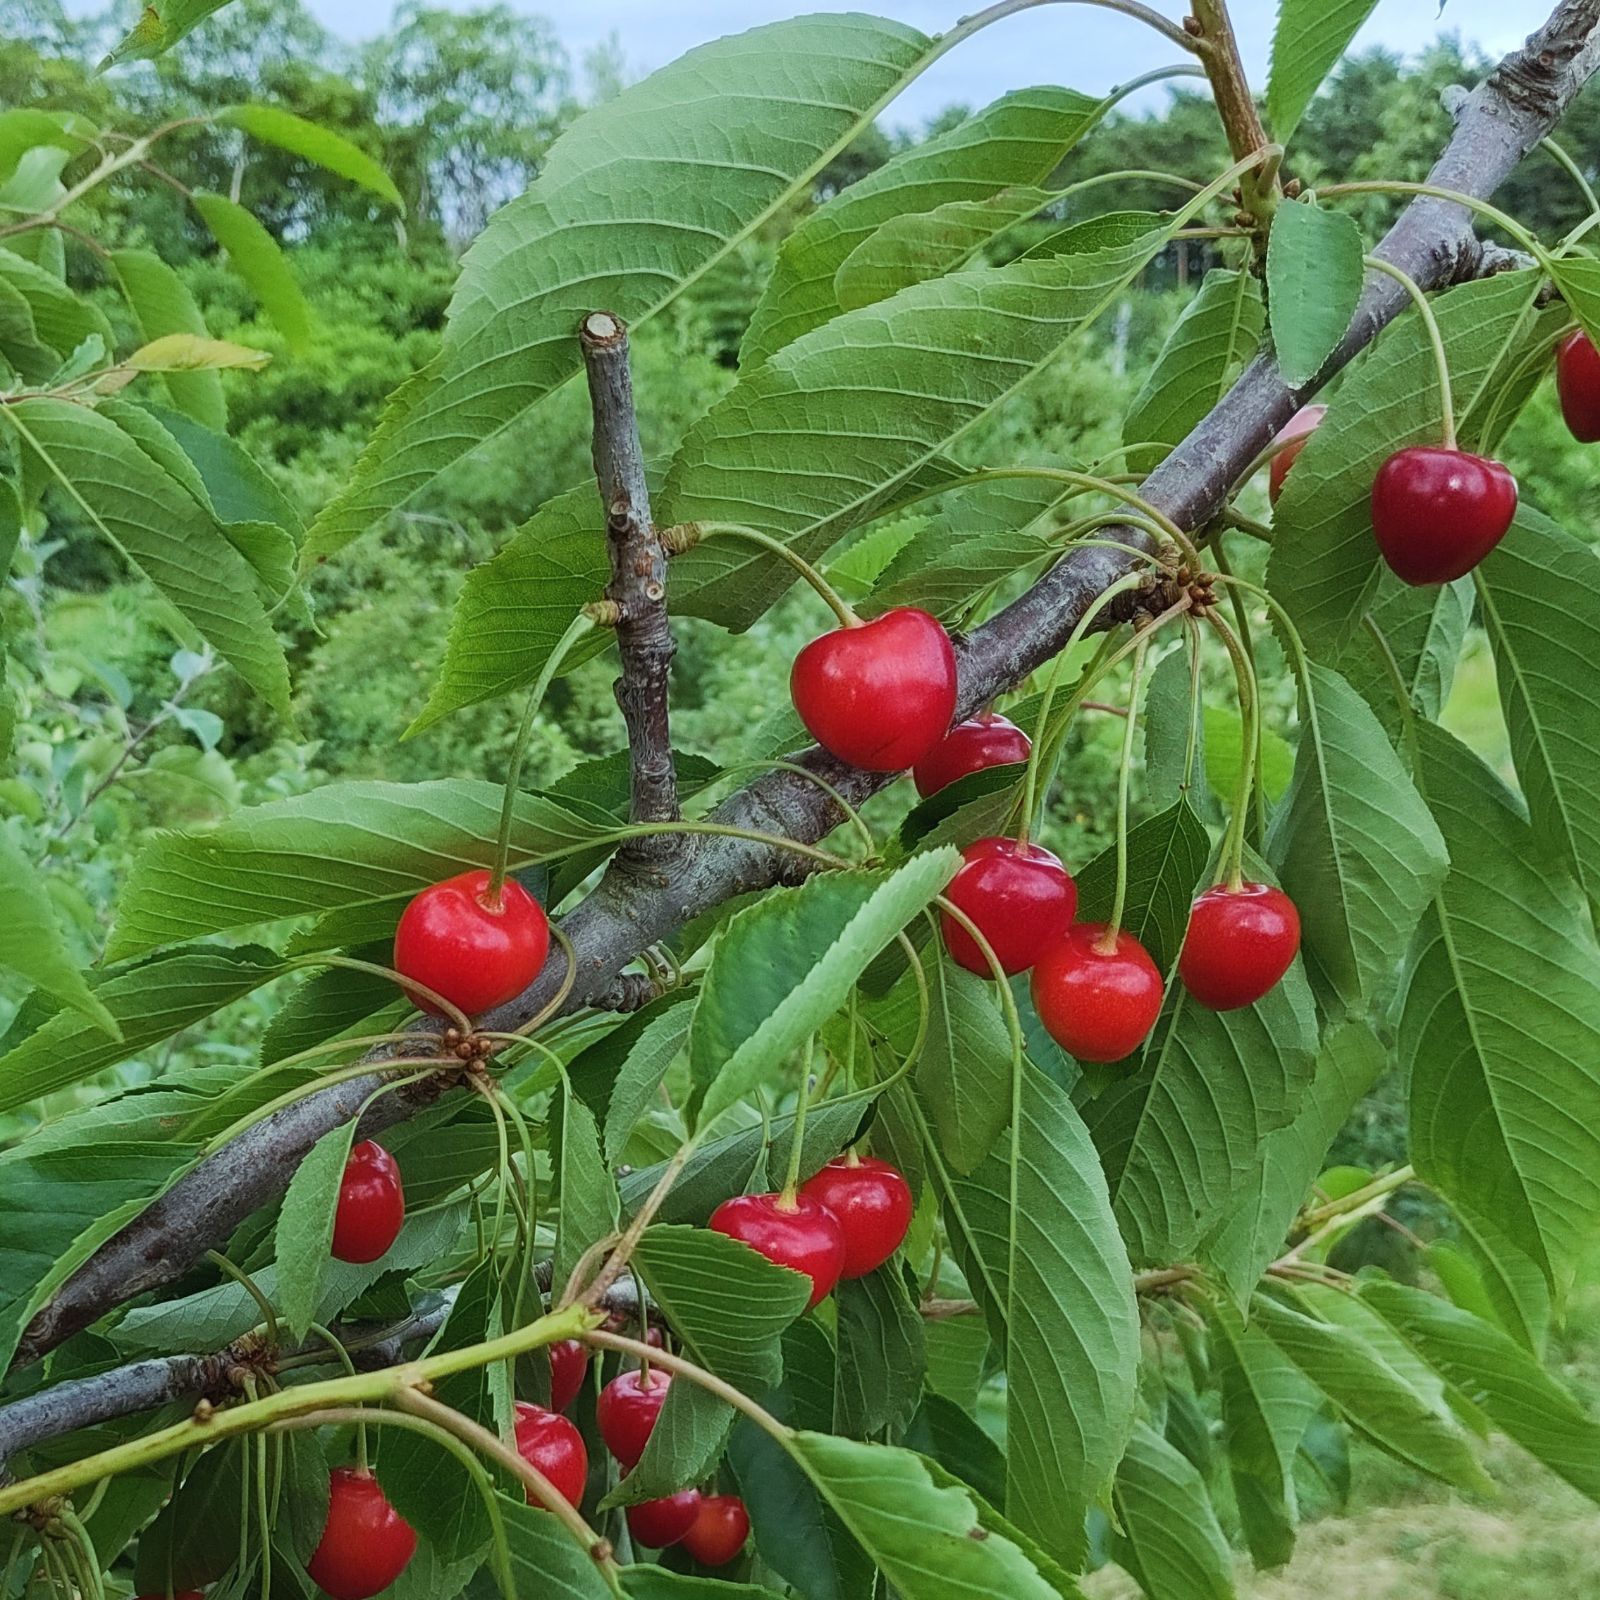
column 548, row 1441
column 880, row 695
column 1295, row 436
column 872, row 1203
column 476, row 952
column 569, row 1366
column 372, row 1204
column 720, row 1529
column 984, row 741
column 1239, row 944
column 801, row 1235
column 658, row 1523
column 1578, row 384
column 1019, row 895
column 627, row 1411
column 1098, row 1005
column 1437, row 513
column 366, row 1544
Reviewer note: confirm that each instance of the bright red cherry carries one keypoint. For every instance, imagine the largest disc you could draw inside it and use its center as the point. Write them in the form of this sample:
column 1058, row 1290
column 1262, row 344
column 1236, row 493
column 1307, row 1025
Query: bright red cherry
column 1295, row 436
column 880, row 695
column 984, row 741
column 372, row 1204
column 475, row 952
column 366, row 1544
column 872, row 1203
column 1098, row 1005
column 627, row 1411
column 569, row 1366
column 1239, row 944
column 1437, row 513
column 1019, row 895
column 548, row 1441
column 1578, row 384
column 720, row 1529
column 658, row 1523
column 801, row 1235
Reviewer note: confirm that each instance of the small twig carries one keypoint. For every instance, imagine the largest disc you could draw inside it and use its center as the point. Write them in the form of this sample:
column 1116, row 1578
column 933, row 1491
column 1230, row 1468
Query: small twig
column 1218, row 48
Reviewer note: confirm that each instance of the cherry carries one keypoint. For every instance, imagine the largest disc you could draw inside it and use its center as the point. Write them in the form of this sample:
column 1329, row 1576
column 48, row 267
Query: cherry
column 627, row 1411
column 372, row 1204
column 476, row 953
column 1098, row 1005
column 720, row 1529
column 548, row 1441
column 986, row 740
column 1019, row 895
column 1578, row 384
column 1294, row 438
column 366, row 1544
column 873, row 1205
column 879, row 695
column 1239, row 944
column 658, row 1523
column 799, row 1234
column 1437, row 513
column 569, row 1366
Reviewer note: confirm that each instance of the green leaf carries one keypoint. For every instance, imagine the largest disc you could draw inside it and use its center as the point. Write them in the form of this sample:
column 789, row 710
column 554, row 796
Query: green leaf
column 1219, row 330
column 945, row 1432
column 257, row 258
column 1310, row 37
column 689, row 1438
column 1354, row 847
column 1170, row 1541
column 198, row 1536
column 1223, row 746
column 304, row 1235
column 587, row 1204
column 1499, row 1023
column 322, row 146
column 787, row 963
column 1423, row 630
column 649, row 1055
column 881, row 1359
column 638, row 199
column 160, row 26
column 1314, row 277
column 162, row 304
column 545, row 1559
column 62, row 319
column 657, row 1583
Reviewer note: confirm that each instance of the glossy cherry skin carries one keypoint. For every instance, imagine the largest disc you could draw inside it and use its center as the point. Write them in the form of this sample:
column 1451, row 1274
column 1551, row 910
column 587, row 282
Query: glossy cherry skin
column 372, row 1204
column 984, row 741
column 366, row 1544
column 1295, row 436
column 627, row 1411
column 658, row 1523
column 880, row 695
column 804, row 1236
column 872, row 1203
column 1239, row 944
column 720, row 1530
column 1019, row 895
column 475, row 953
column 1578, row 384
column 1437, row 513
column 1097, row 1005
column 548, row 1441
column 569, row 1366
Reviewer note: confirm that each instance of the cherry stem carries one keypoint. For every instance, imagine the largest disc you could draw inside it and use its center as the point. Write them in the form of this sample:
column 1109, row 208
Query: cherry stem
column 1191, row 630
column 1008, row 1000
column 1447, row 402
column 497, row 1092
column 1129, row 733
column 1537, row 357
column 622, row 1252
column 797, row 1134
column 580, row 625
column 503, row 1190
column 1231, row 867
column 1574, row 171
column 1241, row 616
column 362, row 1069
column 325, row 958
column 1433, row 192
column 563, row 989
column 851, row 814
column 739, row 530
column 252, row 1288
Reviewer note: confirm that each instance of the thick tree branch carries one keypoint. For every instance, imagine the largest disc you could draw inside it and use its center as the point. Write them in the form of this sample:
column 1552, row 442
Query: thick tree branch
column 1433, row 241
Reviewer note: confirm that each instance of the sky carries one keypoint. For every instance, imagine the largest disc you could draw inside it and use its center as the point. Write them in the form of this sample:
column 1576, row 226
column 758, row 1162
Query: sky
column 1079, row 46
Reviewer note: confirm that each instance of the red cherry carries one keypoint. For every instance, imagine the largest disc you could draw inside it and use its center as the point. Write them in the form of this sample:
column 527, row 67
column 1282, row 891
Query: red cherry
column 986, row 740
column 1019, row 895
column 548, row 1441
column 880, row 695
column 802, row 1236
column 720, row 1530
column 1437, row 513
column 569, row 1366
column 658, row 1523
column 1239, row 944
column 1296, row 434
column 476, row 954
column 366, row 1544
column 873, row 1205
column 372, row 1204
column 1578, row 384
column 627, row 1411
column 1097, row 1005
